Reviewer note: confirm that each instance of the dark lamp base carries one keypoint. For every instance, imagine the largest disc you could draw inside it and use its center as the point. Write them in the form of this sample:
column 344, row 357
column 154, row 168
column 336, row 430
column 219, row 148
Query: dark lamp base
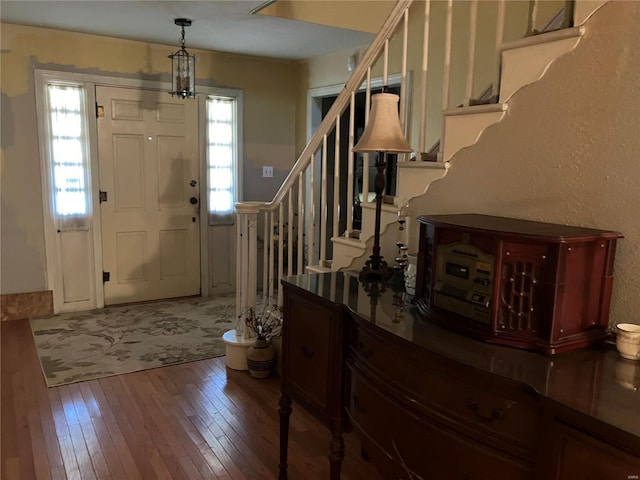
column 370, row 274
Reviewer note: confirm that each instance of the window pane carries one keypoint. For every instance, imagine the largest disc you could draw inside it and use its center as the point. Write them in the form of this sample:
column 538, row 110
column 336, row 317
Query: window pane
column 220, row 179
column 221, row 200
column 221, row 152
column 67, row 153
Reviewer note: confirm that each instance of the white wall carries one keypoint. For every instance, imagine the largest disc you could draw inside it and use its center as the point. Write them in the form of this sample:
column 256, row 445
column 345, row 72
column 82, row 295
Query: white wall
column 568, row 150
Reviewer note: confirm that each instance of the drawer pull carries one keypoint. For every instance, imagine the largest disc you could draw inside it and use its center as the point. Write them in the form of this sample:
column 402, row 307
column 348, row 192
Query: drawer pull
column 307, row 352
column 357, row 405
column 362, row 350
column 496, row 414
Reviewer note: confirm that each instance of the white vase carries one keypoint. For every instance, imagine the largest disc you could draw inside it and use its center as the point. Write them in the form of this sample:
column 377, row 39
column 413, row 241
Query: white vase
column 410, row 274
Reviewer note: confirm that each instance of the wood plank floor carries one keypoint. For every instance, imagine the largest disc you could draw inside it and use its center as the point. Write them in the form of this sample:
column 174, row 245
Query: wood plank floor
column 192, row 421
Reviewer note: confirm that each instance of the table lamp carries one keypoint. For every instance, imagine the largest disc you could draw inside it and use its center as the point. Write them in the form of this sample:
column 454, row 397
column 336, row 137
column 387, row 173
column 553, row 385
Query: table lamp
column 382, row 135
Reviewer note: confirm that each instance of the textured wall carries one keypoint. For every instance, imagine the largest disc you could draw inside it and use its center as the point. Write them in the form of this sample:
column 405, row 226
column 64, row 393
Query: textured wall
column 270, row 100
column 567, row 152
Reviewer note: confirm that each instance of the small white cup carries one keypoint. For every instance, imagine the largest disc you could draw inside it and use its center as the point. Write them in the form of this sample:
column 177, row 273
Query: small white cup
column 628, row 340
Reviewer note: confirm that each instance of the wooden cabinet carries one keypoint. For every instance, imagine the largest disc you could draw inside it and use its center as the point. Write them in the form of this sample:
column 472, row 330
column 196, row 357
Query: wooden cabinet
column 429, row 403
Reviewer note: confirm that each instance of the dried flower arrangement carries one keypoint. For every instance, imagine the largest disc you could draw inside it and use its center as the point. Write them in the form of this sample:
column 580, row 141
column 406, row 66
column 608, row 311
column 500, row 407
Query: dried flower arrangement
column 265, row 325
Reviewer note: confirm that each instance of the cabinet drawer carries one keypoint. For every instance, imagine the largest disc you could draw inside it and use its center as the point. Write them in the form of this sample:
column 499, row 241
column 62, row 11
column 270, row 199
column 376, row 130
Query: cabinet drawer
column 418, row 446
column 465, row 398
column 578, row 455
column 307, row 336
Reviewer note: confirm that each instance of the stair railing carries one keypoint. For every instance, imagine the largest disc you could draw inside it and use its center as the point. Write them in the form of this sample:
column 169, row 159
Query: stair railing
column 307, row 212
column 295, row 209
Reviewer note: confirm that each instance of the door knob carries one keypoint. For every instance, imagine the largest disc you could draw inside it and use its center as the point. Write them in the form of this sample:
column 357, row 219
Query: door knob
column 193, row 201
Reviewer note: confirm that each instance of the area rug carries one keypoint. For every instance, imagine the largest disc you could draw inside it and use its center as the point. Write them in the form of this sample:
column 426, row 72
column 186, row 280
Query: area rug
column 73, row 347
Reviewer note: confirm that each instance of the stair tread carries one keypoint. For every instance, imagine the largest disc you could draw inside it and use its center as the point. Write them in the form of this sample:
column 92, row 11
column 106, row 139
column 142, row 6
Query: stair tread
column 318, row 269
column 544, row 37
column 476, row 109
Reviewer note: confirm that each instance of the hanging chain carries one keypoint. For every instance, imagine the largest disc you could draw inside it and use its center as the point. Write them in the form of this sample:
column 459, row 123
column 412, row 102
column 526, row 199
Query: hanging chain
column 182, row 39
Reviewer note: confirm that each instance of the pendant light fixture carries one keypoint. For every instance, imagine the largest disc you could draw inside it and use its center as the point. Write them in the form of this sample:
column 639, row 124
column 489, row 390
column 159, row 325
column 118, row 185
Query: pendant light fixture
column 183, row 67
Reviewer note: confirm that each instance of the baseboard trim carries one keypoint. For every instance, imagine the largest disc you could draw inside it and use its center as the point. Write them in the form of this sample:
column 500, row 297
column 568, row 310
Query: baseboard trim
column 14, row 306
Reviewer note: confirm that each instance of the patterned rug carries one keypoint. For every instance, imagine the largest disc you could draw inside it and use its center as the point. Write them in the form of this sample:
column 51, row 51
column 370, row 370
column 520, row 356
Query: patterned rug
column 73, row 347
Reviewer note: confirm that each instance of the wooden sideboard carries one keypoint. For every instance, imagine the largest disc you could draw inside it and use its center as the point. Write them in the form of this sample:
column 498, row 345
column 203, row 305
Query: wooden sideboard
column 429, row 403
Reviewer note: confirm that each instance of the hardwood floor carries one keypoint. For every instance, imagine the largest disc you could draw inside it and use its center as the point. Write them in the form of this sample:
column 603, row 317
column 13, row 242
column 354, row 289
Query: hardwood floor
column 191, row 421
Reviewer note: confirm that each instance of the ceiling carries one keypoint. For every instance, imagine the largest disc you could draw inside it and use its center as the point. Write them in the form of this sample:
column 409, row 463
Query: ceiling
column 224, row 26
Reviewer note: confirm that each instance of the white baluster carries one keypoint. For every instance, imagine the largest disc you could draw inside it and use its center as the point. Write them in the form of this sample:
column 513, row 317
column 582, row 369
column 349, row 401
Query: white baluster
column 300, row 236
column 323, row 205
column 272, row 257
column 385, row 64
column 280, row 250
column 403, row 80
column 533, row 17
column 312, row 212
column 290, row 239
column 495, row 89
column 240, row 272
column 447, row 56
column 252, row 284
column 265, row 258
column 471, row 58
column 423, row 83
column 365, row 157
column 350, row 170
column 447, row 71
column 336, row 183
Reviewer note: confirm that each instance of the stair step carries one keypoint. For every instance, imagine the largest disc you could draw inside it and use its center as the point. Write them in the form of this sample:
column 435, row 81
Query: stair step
column 463, row 126
column 429, row 157
column 544, row 37
column 524, row 61
column 346, row 249
column 317, row 269
column 476, row 109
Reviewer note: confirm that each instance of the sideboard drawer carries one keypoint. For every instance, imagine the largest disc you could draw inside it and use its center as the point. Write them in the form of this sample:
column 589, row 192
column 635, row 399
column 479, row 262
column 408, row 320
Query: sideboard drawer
column 417, row 445
column 463, row 396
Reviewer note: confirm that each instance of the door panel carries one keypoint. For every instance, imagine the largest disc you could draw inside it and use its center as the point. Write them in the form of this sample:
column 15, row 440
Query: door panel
column 148, row 149
column 128, row 165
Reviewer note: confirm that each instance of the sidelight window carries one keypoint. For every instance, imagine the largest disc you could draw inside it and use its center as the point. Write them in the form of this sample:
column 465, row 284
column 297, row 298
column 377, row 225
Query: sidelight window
column 222, row 148
column 68, row 160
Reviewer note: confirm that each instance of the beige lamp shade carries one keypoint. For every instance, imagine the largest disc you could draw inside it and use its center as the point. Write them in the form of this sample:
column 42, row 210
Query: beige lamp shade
column 383, row 132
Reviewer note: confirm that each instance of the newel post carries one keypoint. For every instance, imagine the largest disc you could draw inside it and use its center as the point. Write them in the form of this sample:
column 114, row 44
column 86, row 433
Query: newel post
column 239, row 339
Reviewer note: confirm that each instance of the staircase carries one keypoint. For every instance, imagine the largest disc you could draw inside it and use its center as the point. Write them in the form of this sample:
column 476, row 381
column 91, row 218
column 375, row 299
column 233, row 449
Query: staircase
column 442, row 53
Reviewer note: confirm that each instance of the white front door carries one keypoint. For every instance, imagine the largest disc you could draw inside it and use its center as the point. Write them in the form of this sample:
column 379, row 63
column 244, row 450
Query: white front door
column 149, row 173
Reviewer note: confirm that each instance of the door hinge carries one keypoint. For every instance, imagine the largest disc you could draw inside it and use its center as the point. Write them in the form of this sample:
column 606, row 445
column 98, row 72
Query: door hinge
column 106, row 276
column 99, row 111
column 103, row 196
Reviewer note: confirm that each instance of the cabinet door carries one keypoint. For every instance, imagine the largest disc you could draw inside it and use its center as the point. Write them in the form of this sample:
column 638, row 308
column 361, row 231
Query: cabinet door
column 308, row 358
column 584, row 457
